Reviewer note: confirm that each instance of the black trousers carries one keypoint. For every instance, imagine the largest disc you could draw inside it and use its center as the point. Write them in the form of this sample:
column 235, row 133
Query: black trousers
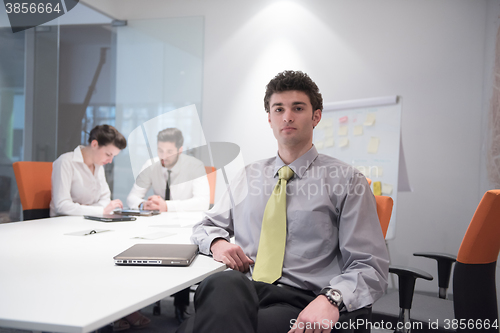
column 229, row 302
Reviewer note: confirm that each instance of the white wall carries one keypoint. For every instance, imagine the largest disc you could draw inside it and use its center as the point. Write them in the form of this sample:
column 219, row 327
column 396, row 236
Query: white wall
column 432, row 53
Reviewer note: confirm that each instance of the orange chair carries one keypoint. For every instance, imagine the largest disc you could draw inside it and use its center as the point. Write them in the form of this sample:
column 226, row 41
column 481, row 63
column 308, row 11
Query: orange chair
column 474, row 295
column 34, row 185
column 369, row 181
column 212, row 178
column 384, row 211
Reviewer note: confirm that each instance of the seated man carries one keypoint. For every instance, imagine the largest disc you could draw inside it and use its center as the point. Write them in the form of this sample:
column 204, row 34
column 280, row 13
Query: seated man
column 308, row 243
column 179, row 181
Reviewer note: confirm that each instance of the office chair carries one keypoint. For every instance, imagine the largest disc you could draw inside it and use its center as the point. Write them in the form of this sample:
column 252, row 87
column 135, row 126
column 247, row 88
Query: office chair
column 474, row 291
column 34, row 185
column 212, row 179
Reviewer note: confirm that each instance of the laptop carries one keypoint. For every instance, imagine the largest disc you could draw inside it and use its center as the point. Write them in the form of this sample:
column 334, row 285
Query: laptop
column 158, row 255
column 136, row 212
column 110, row 218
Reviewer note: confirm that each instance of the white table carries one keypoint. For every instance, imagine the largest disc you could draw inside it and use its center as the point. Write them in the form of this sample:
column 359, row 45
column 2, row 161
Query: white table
column 51, row 281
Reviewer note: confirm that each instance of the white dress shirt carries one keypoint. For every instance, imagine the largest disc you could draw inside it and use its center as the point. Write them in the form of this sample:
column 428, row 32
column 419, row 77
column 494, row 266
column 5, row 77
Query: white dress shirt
column 189, row 188
column 75, row 190
column 333, row 237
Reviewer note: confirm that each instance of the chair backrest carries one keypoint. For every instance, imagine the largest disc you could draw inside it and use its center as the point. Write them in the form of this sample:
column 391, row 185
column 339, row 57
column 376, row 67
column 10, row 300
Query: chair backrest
column 369, row 181
column 212, row 178
column 474, row 282
column 34, row 185
column 384, row 211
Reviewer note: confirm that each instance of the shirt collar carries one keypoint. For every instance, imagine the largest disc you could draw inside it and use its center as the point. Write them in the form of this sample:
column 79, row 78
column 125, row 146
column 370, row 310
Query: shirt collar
column 300, row 165
column 78, row 157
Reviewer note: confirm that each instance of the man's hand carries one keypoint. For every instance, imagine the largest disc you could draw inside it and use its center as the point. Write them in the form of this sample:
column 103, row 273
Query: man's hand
column 155, row 202
column 117, row 203
column 318, row 317
column 230, row 254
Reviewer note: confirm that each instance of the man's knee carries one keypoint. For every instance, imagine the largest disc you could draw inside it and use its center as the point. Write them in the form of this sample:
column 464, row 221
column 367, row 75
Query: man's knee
column 226, row 280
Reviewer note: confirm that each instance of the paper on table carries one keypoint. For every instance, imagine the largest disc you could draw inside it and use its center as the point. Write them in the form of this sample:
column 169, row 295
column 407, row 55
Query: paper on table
column 344, row 142
column 358, row 130
column 89, row 232
column 373, row 145
column 155, row 235
column 370, row 119
column 343, row 130
column 386, row 189
column 329, row 142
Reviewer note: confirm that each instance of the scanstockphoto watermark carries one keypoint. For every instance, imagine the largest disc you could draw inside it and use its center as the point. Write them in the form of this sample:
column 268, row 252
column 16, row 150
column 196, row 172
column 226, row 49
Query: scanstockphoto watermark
column 331, row 180
column 326, row 324
column 25, row 14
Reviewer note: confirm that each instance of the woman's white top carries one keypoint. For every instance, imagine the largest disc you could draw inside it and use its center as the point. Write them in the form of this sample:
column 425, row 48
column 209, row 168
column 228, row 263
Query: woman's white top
column 75, row 190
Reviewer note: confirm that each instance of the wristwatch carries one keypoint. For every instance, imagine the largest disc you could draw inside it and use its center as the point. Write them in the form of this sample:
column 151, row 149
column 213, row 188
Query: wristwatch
column 334, row 296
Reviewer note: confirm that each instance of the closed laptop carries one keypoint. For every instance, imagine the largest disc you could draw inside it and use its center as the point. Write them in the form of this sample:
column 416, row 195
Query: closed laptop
column 158, row 255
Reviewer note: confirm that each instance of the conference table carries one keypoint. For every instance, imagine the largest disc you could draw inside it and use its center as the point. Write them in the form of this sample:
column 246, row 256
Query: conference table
column 56, row 275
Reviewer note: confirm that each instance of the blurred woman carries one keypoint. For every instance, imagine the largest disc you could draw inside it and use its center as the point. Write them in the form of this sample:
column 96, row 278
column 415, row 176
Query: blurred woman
column 79, row 186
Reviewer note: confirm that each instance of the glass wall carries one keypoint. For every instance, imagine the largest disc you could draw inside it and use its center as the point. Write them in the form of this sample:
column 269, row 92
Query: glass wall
column 59, row 80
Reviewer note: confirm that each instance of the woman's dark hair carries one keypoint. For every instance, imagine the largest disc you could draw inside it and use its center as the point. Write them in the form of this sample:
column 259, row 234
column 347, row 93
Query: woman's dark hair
column 294, row 80
column 106, row 134
column 171, row 134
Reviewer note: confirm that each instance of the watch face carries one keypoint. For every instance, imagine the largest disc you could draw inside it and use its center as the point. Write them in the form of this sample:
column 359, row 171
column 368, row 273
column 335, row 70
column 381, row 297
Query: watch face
column 336, row 296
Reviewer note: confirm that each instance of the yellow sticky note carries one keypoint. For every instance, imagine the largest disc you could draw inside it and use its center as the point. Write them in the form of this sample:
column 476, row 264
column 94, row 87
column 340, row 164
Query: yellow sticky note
column 343, row 130
column 319, row 145
column 377, row 188
column 373, row 145
column 320, row 125
column 358, row 130
column 386, row 189
column 344, row 142
column 370, row 119
column 329, row 142
column 329, row 132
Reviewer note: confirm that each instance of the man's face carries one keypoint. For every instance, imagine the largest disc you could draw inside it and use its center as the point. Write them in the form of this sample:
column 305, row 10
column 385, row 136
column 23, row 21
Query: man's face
column 168, row 153
column 292, row 118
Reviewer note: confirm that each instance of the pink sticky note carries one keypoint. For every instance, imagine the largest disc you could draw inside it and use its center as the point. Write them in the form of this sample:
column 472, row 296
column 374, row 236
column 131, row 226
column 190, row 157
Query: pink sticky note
column 343, row 119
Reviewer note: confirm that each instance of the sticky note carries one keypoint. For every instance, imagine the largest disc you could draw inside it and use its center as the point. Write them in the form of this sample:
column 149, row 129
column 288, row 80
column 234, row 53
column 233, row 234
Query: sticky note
column 370, row 119
column 328, row 122
column 373, row 145
column 343, row 119
column 386, row 189
column 329, row 133
column 358, row 130
column 377, row 188
column 320, row 125
column 343, row 130
column 329, row 142
column 344, row 142
column 319, row 144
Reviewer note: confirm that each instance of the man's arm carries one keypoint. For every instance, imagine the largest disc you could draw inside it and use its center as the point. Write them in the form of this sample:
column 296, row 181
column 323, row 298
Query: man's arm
column 200, row 199
column 365, row 258
column 136, row 196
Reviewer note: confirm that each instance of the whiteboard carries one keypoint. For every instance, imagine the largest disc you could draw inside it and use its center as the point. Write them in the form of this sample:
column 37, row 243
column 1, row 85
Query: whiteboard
column 367, row 135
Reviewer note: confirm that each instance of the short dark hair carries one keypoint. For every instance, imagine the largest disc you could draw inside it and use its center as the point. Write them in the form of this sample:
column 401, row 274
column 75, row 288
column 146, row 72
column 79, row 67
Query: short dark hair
column 171, row 134
column 294, row 80
column 106, row 134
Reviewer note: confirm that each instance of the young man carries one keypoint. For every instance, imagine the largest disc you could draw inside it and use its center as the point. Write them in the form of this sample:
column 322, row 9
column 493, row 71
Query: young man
column 188, row 188
column 313, row 247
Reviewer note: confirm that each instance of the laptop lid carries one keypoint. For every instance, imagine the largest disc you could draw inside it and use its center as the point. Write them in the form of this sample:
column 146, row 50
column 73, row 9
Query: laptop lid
column 158, row 255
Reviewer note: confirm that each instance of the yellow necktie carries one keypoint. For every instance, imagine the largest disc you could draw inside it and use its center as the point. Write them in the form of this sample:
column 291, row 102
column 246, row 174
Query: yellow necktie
column 269, row 261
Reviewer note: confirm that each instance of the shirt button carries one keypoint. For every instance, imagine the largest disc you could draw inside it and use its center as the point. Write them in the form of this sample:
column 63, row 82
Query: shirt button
column 350, row 306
